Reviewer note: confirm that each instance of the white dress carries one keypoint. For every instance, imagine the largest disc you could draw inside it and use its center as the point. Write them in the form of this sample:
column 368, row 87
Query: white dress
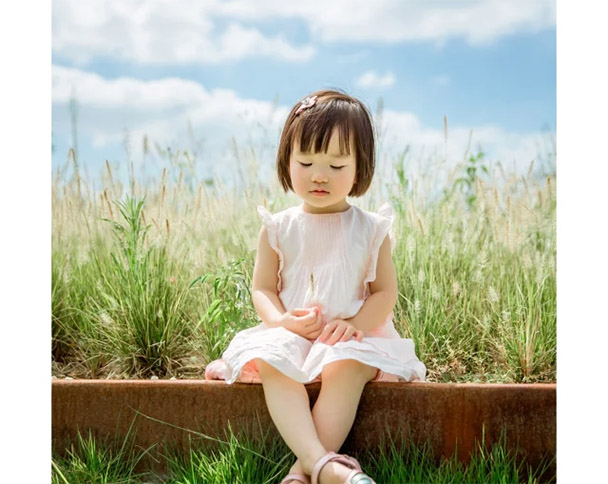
column 326, row 260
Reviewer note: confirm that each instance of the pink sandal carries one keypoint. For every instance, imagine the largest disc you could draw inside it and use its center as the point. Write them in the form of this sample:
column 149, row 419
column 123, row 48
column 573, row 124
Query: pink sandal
column 357, row 476
column 295, row 477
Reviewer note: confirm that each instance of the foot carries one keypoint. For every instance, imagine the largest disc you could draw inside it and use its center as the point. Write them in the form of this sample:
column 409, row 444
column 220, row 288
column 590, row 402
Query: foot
column 336, row 469
column 334, row 473
column 298, row 470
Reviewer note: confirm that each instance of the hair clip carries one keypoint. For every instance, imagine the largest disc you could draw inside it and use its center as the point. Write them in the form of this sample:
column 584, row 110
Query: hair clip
column 307, row 103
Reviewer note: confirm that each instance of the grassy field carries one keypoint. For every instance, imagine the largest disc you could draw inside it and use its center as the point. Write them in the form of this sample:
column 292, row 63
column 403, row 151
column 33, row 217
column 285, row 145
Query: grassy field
column 152, row 278
column 265, row 460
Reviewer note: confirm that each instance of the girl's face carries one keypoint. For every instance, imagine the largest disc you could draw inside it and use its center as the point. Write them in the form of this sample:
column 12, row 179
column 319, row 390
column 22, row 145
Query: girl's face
column 323, row 180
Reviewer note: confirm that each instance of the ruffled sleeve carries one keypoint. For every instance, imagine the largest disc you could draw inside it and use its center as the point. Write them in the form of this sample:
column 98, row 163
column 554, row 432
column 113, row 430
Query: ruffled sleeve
column 273, row 237
column 383, row 227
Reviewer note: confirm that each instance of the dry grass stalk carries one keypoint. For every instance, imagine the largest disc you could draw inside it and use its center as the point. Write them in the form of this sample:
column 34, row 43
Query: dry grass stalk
column 110, row 177
column 420, row 224
column 199, row 197
column 105, row 193
column 523, row 179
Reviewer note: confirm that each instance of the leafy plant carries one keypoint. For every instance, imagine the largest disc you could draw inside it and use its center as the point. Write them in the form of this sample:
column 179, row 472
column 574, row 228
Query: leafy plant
column 466, row 182
column 230, row 309
column 142, row 302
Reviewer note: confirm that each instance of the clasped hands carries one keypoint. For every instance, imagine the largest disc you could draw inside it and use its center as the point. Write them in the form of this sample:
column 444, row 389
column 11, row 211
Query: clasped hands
column 309, row 323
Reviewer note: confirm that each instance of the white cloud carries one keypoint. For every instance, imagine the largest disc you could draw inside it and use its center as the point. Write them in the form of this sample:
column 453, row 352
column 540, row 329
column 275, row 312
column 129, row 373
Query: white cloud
column 372, row 80
column 477, row 21
column 511, row 149
column 160, row 32
column 162, row 109
column 186, row 31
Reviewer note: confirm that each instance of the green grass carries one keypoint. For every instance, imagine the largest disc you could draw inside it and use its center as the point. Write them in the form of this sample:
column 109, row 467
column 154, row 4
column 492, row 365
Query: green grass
column 156, row 280
column 266, row 459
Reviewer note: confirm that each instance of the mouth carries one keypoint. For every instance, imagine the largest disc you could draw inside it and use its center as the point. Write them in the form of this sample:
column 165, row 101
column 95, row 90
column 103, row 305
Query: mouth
column 319, row 193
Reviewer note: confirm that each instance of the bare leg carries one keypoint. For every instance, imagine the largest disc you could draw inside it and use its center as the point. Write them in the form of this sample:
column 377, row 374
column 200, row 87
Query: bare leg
column 289, row 407
column 336, row 407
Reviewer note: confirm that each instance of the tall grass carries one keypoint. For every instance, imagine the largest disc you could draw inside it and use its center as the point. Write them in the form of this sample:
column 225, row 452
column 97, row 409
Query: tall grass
column 155, row 279
column 477, row 279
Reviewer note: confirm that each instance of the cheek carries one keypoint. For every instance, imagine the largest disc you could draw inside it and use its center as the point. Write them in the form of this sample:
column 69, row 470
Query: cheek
column 296, row 176
column 347, row 178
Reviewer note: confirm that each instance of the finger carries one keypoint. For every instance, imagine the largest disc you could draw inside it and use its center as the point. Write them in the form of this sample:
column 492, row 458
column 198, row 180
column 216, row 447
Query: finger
column 348, row 334
column 320, row 318
column 320, row 323
column 337, row 334
column 307, row 317
column 312, row 321
column 327, row 330
column 300, row 311
column 359, row 335
column 313, row 334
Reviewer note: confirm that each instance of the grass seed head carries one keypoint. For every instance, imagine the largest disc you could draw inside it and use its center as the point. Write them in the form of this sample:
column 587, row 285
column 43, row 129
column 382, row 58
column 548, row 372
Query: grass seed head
column 410, row 244
column 421, row 276
column 417, row 307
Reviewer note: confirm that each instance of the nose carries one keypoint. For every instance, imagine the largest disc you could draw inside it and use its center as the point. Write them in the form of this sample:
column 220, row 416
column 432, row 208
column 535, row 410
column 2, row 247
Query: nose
column 319, row 176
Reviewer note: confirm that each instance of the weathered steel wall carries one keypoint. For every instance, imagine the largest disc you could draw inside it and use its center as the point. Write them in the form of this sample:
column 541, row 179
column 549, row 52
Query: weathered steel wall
column 448, row 416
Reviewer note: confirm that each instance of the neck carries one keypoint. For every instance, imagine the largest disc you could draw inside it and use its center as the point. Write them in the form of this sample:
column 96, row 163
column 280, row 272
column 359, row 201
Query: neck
column 342, row 206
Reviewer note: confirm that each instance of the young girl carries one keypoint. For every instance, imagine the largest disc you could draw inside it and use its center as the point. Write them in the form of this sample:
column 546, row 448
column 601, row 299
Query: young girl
column 324, row 287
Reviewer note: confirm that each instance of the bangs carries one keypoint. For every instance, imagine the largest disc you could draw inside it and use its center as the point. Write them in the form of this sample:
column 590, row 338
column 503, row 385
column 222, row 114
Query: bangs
column 314, row 131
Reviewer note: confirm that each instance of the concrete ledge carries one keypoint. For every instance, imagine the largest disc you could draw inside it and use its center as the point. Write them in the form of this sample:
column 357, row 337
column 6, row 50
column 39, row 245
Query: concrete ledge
column 450, row 416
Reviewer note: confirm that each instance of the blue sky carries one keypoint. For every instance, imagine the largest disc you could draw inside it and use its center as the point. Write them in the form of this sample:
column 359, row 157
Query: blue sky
column 214, row 70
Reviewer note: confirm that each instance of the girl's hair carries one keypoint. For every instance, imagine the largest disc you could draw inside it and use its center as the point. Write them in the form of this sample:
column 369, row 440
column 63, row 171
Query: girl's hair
column 314, row 126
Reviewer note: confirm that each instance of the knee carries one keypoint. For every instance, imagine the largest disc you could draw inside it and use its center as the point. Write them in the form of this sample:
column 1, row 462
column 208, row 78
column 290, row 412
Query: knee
column 349, row 371
column 265, row 369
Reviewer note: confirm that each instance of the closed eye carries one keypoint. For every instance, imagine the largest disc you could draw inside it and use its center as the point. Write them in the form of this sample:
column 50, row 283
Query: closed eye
column 334, row 167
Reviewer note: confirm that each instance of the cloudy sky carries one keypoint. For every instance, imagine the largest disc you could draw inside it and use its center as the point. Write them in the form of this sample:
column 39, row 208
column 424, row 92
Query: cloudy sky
column 193, row 74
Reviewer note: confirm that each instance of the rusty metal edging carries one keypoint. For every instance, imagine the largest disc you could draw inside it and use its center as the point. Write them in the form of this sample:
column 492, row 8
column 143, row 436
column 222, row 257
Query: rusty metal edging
column 449, row 416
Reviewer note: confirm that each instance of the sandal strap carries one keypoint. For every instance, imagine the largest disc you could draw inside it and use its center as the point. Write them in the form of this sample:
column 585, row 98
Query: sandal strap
column 354, row 462
column 345, row 460
column 330, row 456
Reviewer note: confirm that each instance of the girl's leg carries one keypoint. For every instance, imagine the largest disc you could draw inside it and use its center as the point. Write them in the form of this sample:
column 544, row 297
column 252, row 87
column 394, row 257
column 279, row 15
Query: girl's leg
column 289, row 407
column 335, row 409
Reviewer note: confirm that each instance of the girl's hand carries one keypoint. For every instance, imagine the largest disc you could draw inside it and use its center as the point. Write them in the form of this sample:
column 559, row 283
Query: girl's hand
column 305, row 322
column 339, row 330
column 317, row 327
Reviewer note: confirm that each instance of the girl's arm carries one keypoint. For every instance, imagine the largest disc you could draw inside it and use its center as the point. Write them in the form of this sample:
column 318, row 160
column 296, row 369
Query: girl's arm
column 383, row 297
column 264, row 286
